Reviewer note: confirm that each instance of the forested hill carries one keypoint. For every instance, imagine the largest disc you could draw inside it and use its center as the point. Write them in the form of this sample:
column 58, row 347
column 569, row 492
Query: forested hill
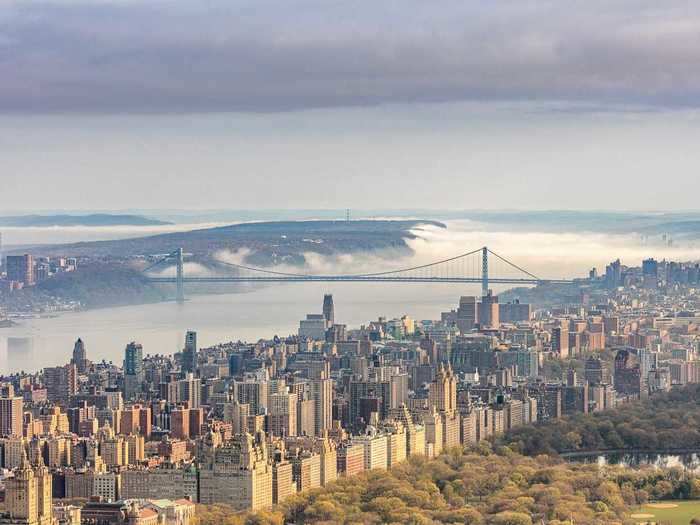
column 270, row 242
column 109, row 271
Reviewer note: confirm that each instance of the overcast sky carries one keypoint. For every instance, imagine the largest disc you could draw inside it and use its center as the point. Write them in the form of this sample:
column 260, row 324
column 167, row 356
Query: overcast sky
column 305, row 103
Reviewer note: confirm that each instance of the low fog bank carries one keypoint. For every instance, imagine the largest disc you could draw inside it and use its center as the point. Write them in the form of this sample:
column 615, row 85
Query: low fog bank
column 547, row 255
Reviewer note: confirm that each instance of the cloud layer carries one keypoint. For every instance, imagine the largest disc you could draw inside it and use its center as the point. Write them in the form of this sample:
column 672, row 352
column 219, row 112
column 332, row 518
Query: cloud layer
column 269, row 55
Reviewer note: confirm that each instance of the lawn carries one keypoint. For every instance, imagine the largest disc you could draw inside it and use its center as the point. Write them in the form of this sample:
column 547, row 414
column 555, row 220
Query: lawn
column 673, row 512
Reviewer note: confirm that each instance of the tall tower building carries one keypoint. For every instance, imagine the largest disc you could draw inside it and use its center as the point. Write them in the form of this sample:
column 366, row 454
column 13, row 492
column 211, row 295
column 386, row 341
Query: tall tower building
column 488, row 311
column 61, row 383
column 467, row 313
column 21, row 494
column 190, row 390
column 28, row 494
column 282, row 415
column 650, row 273
column 133, row 370
column 80, row 359
column 20, row 268
column 11, row 416
column 328, row 309
column 189, row 354
column 44, row 482
column 322, row 394
column 442, row 393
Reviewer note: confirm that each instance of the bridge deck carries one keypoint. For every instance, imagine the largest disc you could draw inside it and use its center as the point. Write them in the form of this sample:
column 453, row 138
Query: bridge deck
column 368, row 279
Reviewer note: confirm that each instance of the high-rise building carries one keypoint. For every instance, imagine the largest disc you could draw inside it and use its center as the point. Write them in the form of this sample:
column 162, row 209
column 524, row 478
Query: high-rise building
column 488, row 311
column 11, row 416
column 133, row 359
column 328, row 309
column 237, row 473
column 61, row 383
column 596, row 372
column 20, row 268
column 190, row 391
column 467, row 314
column 133, row 370
column 80, row 359
column 252, row 393
column 180, row 423
column 313, row 327
column 367, row 397
column 560, row 340
column 282, row 414
column 189, row 354
column 322, row 394
column 650, row 273
column 628, row 377
column 28, row 495
column 514, row 312
column 442, row 393
column 613, row 274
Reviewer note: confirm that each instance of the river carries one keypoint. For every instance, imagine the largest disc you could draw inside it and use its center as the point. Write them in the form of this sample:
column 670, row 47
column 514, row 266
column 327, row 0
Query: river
column 36, row 343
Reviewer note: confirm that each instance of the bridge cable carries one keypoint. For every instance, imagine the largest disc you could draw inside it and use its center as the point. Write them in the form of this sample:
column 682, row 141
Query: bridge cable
column 376, row 274
column 515, row 266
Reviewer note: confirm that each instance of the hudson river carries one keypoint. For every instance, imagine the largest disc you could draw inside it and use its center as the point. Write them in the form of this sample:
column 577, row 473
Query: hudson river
column 36, row 343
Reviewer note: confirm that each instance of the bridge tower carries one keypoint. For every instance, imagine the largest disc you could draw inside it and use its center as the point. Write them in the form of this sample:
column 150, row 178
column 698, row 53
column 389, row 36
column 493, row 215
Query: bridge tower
column 179, row 281
column 484, row 271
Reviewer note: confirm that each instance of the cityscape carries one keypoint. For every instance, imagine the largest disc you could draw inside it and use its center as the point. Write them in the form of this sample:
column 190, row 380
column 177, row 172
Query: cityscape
column 249, row 425
column 301, row 262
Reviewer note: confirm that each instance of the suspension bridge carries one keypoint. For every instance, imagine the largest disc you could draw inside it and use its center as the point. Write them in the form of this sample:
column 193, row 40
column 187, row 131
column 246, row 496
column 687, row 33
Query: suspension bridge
column 471, row 267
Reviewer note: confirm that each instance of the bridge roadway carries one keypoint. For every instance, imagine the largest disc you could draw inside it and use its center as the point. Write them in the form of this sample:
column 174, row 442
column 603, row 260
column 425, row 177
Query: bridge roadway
column 354, row 278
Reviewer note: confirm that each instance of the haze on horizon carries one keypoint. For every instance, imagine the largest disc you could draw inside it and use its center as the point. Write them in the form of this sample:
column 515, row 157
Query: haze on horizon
column 119, row 104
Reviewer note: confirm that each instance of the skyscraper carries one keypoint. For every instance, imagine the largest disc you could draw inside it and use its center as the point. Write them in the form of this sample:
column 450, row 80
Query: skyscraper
column 322, row 394
column 133, row 370
column 28, row 494
column 650, row 273
column 189, row 354
column 61, row 383
column 328, row 309
column 467, row 314
column 20, row 268
column 11, row 416
column 488, row 311
column 80, row 356
column 133, row 359
column 190, row 389
column 442, row 392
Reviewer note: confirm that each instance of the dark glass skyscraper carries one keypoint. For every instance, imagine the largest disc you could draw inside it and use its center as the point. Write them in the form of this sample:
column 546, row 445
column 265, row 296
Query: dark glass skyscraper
column 133, row 370
column 189, row 354
column 328, row 309
column 133, row 359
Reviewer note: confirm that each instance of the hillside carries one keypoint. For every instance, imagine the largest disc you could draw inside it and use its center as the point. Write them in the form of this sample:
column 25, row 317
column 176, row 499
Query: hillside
column 269, row 242
column 109, row 271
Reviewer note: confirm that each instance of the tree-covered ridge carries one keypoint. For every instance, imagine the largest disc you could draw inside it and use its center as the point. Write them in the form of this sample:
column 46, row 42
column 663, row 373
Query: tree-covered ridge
column 665, row 421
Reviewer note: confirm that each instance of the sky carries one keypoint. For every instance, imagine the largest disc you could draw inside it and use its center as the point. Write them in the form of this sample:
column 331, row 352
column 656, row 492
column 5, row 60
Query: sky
column 567, row 104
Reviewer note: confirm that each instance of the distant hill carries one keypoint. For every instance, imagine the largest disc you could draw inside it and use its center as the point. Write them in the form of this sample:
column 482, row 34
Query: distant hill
column 108, row 275
column 268, row 242
column 99, row 219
